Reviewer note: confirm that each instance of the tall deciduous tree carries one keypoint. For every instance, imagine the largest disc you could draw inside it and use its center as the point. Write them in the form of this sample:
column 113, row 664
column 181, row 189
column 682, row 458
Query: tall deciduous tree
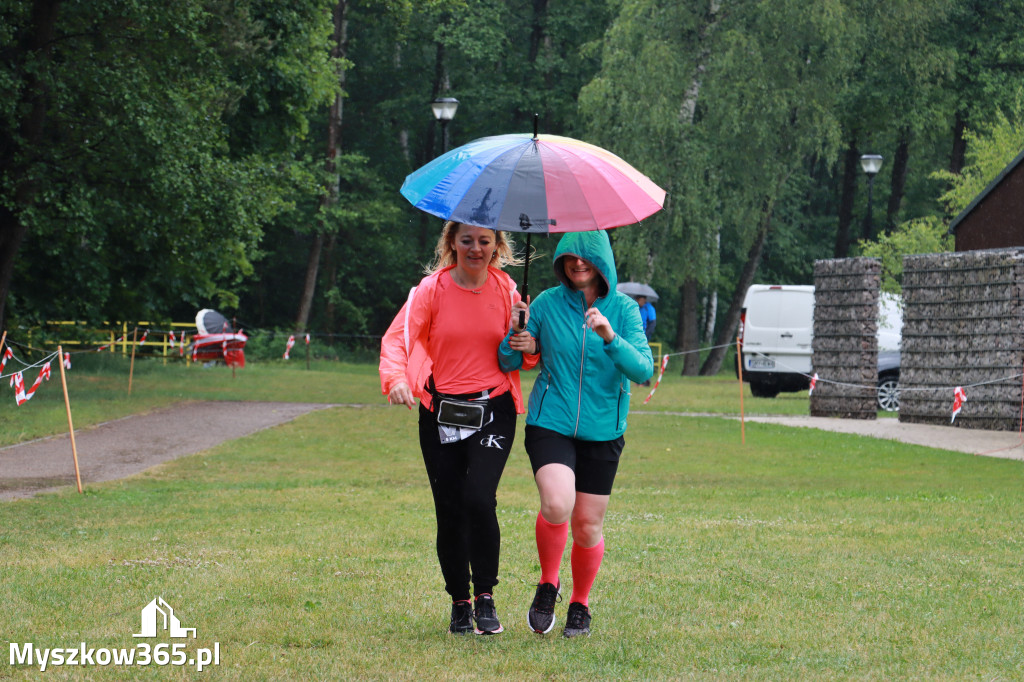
column 144, row 145
column 723, row 103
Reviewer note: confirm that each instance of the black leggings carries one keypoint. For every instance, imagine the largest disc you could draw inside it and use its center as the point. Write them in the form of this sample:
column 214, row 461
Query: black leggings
column 464, row 479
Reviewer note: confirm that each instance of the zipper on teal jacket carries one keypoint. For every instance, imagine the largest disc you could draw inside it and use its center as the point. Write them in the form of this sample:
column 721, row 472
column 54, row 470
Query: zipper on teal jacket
column 583, row 362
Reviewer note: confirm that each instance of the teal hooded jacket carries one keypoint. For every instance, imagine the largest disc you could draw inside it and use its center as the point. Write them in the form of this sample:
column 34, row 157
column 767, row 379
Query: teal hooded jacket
column 583, row 388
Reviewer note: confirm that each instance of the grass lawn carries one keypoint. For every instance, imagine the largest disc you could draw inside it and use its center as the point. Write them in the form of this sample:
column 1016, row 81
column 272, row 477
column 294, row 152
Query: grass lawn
column 306, row 550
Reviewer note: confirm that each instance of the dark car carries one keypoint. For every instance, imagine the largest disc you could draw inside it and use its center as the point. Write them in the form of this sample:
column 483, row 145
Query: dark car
column 889, row 380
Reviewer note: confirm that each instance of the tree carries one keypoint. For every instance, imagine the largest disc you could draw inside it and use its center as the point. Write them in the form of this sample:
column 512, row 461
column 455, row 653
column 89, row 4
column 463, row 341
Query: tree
column 723, row 104
column 145, row 146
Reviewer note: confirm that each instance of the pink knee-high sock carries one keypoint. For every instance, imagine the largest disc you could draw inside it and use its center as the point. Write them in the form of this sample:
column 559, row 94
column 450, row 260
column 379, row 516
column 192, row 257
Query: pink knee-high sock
column 551, row 539
column 585, row 563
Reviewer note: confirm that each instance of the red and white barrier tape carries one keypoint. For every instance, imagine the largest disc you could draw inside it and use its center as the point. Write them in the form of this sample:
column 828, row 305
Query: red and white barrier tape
column 959, row 398
column 664, row 364
column 291, row 342
column 21, row 396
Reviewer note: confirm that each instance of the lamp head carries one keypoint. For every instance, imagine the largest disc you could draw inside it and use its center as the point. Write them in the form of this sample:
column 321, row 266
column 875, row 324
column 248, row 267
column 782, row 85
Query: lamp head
column 871, row 163
column 444, row 108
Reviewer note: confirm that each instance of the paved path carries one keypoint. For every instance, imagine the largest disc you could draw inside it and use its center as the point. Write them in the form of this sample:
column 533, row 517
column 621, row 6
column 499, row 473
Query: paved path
column 1005, row 444
column 127, row 446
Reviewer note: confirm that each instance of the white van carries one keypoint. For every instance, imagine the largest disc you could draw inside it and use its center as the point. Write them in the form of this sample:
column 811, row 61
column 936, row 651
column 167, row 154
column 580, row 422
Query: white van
column 776, row 329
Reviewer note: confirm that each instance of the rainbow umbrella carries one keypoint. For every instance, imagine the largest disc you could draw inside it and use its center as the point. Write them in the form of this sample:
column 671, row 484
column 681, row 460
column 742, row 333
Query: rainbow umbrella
column 538, row 185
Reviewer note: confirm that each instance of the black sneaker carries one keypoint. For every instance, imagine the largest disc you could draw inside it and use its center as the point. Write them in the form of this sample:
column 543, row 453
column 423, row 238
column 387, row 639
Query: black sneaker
column 486, row 616
column 577, row 621
column 542, row 612
column 462, row 618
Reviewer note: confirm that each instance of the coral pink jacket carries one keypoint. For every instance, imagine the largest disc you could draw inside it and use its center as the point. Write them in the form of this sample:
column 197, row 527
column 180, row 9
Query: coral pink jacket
column 403, row 350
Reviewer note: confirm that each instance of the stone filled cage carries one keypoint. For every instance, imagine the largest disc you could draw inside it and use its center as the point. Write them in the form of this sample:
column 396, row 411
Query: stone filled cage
column 962, row 327
column 845, row 345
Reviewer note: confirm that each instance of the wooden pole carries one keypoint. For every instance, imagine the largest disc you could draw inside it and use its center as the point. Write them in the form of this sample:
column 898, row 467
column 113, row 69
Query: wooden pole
column 131, row 367
column 2, row 340
column 739, row 372
column 67, row 405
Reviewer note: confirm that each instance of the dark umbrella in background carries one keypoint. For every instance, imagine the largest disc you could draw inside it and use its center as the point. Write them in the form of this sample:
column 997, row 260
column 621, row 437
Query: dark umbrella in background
column 635, row 289
column 542, row 184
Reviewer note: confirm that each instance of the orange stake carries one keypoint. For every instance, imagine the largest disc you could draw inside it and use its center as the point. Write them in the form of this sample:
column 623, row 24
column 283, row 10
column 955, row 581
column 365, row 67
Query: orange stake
column 739, row 373
column 71, row 426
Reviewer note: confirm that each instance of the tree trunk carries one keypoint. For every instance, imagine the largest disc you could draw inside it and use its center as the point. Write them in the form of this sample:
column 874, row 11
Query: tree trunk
column 428, row 153
column 34, row 47
column 689, row 328
column 851, row 164
column 898, row 184
column 959, row 153
column 329, row 199
column 727, row 332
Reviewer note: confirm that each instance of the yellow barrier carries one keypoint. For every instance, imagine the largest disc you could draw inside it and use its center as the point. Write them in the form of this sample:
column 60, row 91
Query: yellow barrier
column 656, row 352
column 113, row 339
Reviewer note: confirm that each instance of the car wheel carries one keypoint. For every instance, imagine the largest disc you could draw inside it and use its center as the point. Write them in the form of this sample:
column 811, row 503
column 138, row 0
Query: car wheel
column 889, row 393
column 761, row 388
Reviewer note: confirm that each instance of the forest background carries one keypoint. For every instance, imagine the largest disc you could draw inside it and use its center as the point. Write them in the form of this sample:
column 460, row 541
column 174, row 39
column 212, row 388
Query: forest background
column 157, row 158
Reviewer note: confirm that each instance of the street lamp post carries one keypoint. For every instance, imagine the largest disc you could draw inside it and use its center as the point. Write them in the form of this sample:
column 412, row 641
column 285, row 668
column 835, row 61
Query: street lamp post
column 871, row 163
column 444, row 111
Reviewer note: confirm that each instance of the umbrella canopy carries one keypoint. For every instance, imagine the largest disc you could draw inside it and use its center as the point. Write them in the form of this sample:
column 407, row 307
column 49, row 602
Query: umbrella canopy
column 638, row 289
column 538, row 185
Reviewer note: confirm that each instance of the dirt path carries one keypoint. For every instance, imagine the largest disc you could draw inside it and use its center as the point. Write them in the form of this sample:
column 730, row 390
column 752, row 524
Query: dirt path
column 127, row 446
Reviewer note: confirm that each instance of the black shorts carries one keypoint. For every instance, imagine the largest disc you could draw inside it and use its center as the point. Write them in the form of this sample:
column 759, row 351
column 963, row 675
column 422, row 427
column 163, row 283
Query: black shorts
column 593, row 462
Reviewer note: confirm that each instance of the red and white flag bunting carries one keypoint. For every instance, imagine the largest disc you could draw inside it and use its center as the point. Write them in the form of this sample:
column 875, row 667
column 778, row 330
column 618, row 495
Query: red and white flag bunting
column 170, row 339
column 21, row 396
column 67, row 361
column 664, row 364
column 291, row 342
column 814, row 382
column 307, row 339
column 144, row 335
column 959, row 398
column 119, row 340
column 7, row 355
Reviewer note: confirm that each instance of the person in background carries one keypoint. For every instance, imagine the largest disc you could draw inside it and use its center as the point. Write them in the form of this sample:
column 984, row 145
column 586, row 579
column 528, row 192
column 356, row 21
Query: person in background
column 591, row 345
column 648, row 318
column 442, row 348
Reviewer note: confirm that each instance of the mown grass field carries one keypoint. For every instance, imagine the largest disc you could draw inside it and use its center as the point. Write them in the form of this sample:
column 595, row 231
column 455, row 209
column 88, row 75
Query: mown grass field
column 306, row 550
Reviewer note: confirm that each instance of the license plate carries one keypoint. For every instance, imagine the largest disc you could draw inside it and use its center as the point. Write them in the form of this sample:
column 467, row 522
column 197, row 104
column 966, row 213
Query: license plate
column 760, row 363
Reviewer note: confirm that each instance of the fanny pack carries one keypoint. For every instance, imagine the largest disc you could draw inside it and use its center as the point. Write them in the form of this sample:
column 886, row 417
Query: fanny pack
column 461, row 413
column 459, row 416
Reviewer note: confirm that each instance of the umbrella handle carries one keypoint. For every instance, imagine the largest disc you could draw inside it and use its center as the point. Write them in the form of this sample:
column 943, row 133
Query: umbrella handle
column 526, row 280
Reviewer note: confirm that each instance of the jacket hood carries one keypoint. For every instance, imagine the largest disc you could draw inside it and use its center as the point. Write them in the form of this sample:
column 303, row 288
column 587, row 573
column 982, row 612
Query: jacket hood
column 593, row 246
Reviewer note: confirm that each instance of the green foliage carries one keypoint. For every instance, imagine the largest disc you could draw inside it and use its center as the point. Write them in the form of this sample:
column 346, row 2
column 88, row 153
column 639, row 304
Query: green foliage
column 989, row 151
column 925, row 235
column 166, row 151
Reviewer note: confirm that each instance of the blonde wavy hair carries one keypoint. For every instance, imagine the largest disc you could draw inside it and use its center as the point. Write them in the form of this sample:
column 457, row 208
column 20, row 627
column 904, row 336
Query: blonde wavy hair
column 444, row 252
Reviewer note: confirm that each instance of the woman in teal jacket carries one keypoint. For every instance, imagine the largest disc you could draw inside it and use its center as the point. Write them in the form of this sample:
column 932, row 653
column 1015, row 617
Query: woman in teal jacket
column 592, row 345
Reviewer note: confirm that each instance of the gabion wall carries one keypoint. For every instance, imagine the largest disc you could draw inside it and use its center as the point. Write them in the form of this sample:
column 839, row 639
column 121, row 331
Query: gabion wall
column 962, row 320
column 845, row 346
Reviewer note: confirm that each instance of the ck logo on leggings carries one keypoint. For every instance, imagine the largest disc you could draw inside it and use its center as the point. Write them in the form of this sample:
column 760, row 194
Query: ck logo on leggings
column 492, row 441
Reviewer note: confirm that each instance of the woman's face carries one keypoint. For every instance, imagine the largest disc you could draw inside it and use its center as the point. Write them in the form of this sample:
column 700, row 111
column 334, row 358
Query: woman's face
column 474, row 247
column 581, row 273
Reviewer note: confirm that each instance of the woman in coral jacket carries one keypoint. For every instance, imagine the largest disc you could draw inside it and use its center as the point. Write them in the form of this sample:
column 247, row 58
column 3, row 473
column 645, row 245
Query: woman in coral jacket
column 442, row 348
column 592, row 345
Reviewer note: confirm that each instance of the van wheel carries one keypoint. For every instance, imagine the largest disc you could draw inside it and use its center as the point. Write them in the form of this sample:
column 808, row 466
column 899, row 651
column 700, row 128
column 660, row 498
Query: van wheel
column 761, row 388
column 889, row 393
